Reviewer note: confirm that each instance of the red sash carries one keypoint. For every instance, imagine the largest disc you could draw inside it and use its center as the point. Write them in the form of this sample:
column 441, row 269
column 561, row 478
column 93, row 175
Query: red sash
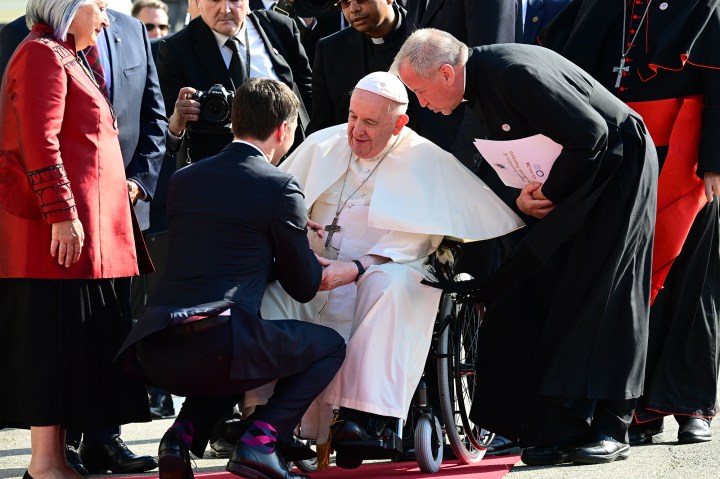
column 675, row 123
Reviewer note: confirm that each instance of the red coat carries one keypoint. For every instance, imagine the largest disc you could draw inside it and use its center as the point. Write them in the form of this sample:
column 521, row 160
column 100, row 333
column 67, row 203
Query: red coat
column 58, row 131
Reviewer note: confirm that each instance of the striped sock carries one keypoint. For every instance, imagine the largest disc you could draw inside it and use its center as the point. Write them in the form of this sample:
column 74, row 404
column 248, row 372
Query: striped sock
column 185, row 430
column 260, row 436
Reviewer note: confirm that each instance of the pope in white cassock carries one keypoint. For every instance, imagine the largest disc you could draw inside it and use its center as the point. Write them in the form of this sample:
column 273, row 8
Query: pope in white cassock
column 383, row 198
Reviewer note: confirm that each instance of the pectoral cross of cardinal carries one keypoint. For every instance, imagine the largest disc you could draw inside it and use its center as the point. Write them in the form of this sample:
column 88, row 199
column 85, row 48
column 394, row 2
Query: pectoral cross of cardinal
column 620, row 69
column 331, row 229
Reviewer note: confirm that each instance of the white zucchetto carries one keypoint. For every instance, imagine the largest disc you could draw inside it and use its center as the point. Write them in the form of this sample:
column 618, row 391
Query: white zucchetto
column 384, row 84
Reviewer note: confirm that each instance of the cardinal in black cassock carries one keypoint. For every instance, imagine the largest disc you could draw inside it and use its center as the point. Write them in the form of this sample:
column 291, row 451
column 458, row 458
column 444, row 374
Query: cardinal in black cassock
column 570, row 310
column 670, row 74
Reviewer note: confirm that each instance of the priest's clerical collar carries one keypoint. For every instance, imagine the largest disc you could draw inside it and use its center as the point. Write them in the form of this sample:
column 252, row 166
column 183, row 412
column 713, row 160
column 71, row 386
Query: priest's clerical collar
column 394, row 33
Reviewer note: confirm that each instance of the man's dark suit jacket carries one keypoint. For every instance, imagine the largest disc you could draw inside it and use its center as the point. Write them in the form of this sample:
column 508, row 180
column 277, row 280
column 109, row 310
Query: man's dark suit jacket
column 191, row 58
column 473, row 22
column 538, row 14
column 233, row 219
column 10, row 37
column 135, row 95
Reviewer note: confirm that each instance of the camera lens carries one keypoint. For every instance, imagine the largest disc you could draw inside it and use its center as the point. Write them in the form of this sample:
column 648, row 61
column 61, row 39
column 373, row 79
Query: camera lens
column 216, row 109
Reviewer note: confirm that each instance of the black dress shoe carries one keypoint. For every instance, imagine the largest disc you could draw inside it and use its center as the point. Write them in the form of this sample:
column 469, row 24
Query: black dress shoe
column 174, row 458
column 693, row 429
column 27, row 476
column 295, row 450
column 247, row 462
column 114, row 457
column 73, row 459
column 161, row 404
column 607, row 449
column 344, row 431
column 221, row 448
column 547, row 455
column 501, row 445
column 643, row 433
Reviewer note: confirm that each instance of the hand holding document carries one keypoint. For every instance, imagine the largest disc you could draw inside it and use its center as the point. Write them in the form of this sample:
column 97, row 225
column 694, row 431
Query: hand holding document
column 519, row 162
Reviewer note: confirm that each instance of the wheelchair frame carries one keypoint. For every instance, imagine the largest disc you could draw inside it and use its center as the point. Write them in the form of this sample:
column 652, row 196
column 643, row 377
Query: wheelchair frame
column 455, row 350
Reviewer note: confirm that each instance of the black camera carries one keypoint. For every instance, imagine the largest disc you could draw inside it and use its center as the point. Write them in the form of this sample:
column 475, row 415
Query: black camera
column 306, row 8
column 215, row 105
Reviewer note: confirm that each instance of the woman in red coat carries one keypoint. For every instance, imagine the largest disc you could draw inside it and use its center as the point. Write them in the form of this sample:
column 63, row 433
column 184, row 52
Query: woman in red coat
column 67, row 235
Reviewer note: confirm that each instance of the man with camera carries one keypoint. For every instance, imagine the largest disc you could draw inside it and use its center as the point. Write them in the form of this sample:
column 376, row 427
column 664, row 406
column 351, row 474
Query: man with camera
column 202, row 65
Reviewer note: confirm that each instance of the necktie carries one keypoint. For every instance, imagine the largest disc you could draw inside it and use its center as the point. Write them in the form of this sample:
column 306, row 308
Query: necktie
column 237, row 66
column 92, row 56
column 519, row 33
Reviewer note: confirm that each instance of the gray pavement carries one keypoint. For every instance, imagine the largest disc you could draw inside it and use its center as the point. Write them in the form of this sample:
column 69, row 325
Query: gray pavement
column 664, row 459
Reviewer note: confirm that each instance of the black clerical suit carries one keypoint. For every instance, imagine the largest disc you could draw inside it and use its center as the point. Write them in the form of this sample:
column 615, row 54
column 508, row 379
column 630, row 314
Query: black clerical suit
column 571, row 304
column 675, row 59
column 341, row 60
column 191, row 58
column 235, row 221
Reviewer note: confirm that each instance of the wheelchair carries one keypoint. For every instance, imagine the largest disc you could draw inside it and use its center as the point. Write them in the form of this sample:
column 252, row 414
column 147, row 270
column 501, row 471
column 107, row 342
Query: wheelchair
column 452, row 359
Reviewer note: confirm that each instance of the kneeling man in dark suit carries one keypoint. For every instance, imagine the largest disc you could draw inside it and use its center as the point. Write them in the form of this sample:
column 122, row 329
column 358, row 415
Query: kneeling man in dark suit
column 235, row 223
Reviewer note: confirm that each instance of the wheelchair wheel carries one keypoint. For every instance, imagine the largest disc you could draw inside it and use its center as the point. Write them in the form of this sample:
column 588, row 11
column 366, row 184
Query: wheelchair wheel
column 457, row 350
column 428, row 444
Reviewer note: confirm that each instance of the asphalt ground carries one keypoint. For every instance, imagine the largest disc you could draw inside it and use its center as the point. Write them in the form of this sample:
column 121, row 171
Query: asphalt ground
column 664, row 459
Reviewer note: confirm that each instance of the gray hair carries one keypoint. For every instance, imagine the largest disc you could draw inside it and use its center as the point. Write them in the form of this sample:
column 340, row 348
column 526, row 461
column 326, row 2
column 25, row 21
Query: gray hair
column 427, row 49
column 58, row 14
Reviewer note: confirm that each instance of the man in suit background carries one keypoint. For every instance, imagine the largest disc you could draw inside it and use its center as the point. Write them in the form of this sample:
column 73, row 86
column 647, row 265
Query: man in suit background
column 154, row 14
column 213, row 49
column 537, row 14
column 234, row 219
column 124, row 50
column 10, row 37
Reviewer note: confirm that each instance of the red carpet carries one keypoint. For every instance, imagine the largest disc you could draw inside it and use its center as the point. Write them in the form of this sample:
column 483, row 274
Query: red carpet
column 488, row 468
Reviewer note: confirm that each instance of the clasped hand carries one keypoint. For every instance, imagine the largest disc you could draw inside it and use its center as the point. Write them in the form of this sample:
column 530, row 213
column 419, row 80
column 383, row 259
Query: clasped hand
column 532, row 201
column 335, row 273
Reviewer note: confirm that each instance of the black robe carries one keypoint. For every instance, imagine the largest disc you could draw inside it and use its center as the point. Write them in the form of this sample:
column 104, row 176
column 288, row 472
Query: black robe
column 570, row 319
column 675, row 54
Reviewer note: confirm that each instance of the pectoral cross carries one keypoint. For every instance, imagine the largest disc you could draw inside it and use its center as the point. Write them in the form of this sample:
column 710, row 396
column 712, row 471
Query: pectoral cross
column 331, row 229
column 620, row 69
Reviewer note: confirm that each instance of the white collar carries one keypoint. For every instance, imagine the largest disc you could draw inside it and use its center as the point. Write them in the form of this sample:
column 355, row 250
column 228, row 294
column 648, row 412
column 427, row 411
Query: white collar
column 240, row 35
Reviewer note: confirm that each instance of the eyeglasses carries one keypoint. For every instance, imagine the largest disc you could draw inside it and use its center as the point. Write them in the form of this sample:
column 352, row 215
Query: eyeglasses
column 346, row 3
column 151, row 26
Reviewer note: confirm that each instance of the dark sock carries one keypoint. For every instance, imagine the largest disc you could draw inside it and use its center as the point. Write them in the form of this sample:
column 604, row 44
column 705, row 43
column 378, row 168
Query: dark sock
column 260, row 436
column 185, row 430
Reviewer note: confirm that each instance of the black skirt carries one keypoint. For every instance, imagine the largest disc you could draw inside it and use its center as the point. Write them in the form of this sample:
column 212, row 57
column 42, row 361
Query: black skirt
column 58, row 339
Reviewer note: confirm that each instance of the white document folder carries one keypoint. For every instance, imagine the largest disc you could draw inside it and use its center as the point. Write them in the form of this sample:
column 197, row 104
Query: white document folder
column 519, row 162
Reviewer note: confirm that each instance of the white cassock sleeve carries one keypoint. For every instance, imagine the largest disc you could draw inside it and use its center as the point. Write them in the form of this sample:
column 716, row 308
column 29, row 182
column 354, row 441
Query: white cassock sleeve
column 402, row 247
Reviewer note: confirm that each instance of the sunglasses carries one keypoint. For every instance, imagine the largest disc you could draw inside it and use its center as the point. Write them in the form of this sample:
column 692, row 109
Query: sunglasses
column 346, row 3
column 151, row 26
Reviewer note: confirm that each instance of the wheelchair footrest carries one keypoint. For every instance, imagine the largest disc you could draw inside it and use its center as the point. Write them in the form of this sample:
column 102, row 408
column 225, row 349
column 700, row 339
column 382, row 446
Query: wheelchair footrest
column 387, row 446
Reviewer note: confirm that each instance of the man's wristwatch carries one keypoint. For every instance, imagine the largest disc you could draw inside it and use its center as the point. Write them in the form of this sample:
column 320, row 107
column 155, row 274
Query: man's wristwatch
column 360, row 267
